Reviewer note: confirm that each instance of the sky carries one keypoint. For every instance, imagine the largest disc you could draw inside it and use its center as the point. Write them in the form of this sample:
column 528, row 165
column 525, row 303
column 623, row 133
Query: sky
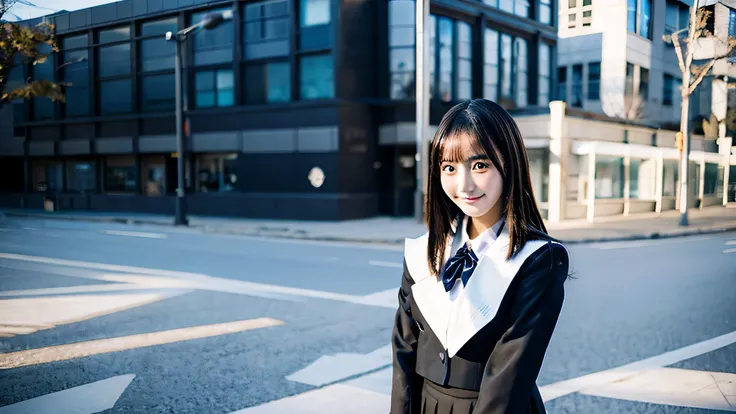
column 50, row 6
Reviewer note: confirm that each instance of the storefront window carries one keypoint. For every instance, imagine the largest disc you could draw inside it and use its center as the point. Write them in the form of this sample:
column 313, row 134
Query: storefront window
column 710, row 185
column 539, row 172
column 80, row 176
column 669, row 178
column 121, row 175
column 609, row 181
column 46, row 176
column 153, row 174
column 216, row 172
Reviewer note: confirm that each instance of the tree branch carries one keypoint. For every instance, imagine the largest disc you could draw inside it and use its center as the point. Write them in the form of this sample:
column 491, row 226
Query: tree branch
column 678, row 50
column 700, row 77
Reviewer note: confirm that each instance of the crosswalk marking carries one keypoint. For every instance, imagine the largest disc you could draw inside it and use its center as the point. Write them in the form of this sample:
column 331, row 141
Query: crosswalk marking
column 385, row 264
column 85, row 399
column 137, row 234
column 102, row 346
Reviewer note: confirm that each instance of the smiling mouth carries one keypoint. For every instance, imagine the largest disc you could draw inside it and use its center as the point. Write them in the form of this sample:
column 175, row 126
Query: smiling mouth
column 472, row 199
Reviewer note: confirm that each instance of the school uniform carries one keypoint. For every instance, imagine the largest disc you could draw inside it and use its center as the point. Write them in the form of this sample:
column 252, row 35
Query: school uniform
column 475, row 341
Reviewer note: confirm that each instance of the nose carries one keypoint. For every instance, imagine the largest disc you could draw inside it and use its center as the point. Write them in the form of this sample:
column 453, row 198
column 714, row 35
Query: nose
column 466, row 185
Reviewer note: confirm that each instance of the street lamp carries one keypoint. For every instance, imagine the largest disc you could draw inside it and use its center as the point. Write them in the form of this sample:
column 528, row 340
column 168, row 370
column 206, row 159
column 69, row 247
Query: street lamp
column 210, row 21
column 422, row 106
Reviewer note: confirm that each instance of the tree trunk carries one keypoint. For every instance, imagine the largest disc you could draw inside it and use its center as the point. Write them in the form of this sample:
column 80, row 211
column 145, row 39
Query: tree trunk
column 685, row 153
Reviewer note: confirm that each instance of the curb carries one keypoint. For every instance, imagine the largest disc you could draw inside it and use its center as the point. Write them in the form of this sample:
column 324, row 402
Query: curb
column 284, row 233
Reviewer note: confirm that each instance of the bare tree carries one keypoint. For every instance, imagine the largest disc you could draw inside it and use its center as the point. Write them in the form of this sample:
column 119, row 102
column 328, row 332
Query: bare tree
column 692, row 75
column 634, row 107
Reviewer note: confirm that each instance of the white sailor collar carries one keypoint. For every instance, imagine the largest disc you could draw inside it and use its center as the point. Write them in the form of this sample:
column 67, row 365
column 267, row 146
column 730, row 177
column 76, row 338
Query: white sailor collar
column 456, row 322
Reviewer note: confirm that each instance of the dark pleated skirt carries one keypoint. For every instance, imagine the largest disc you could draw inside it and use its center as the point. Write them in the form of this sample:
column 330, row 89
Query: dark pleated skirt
column 439, row 400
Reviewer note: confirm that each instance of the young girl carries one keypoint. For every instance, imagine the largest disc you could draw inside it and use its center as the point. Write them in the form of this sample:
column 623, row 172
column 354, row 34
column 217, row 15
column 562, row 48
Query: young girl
column 482, row 290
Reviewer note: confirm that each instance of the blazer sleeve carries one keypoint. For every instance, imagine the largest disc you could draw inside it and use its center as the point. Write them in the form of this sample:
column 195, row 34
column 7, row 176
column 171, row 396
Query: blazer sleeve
column 511, row 372
column 404, row 346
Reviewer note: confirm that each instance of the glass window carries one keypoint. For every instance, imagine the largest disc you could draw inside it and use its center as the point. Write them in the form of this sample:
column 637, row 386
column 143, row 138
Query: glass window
column 74, row 42
column 609, row 182
column 545, row 11
column 446, row 43
column 667, row 93
column 266, row 29
column 710, row 184
column 572, row 4
column 316, row 77
column 490, row 64
column 670, row 17
column 43, row 108
column 315, row 12
column 401, row 43
column 77, row 75
column 587, row 2
column 634, row 169
column 464, row 61
column 46, row 176
column 115, row 96
column 631, row 16
column 646, row 15
column 114, row 60
column 216, row 172
column 545, row 67
column 267, row 83
column 507, row 86
column 669, row 178
column 157, row 93
column 215, row 45
column 159, row 27
column 594, row 81
column 80, row 177
column 577, row 86
column 121, row 175
column 521, row 75
column 629, row 83
column 117, row 34
column 157, row 54
column 493, row 3
column 562, row 83
column 213, row 88
column 522, row 8
column 432, row 29
column 506, row 5
column 644, row 84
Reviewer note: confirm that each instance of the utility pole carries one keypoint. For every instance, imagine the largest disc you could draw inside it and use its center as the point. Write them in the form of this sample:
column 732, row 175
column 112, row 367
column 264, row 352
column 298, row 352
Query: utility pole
column 422, row 107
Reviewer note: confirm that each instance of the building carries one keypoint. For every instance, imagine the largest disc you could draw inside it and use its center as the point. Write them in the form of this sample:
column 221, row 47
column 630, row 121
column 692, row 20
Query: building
column 613, row 60
column 304, row 109
column 298, row 109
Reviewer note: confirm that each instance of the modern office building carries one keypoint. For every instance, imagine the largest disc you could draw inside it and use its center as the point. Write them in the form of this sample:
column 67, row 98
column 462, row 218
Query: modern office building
column 298, row 108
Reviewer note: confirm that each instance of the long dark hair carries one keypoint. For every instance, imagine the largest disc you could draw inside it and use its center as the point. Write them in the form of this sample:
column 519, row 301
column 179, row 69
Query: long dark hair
column 494, row 133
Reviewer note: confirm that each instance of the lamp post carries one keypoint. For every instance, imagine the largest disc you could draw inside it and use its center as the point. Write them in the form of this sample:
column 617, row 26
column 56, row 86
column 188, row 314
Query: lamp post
column 421, row 86
column 210, row 21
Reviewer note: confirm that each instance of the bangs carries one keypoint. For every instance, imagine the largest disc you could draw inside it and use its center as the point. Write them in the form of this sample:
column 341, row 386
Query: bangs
column 460, row 145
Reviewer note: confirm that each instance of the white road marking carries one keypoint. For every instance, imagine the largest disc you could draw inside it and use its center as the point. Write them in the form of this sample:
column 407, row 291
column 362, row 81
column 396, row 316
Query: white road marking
column 198, row 281
column 385, row 264
column 731, row 243
column 387, row 298
column 102, row 346
column 137, row 234
column 676, row 387
column 27, row 315
column 283, row 240
column 645, row 243
column 332, row 368
column 730, row 250
column 29, row 228
column 85, row 399
column 344, row 398
column 562, row 388
column 70, row 290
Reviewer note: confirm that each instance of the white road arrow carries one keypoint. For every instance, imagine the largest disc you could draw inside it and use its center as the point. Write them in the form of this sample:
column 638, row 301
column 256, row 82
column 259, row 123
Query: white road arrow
column 331, row 368
column 84, row 399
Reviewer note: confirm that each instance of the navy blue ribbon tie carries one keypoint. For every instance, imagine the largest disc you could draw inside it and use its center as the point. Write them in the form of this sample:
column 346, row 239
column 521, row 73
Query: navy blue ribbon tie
column 460, row 266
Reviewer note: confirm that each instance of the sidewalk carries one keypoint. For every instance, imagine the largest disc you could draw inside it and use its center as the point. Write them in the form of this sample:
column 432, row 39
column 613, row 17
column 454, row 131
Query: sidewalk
column 390, row 230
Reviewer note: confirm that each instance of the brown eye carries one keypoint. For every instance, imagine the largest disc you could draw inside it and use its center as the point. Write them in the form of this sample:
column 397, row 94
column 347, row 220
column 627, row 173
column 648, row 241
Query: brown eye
column 480, row 166
column 448, row 168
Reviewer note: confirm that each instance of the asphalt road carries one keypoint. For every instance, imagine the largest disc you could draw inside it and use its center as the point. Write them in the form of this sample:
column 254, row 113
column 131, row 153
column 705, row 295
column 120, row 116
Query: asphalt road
column 222, row 324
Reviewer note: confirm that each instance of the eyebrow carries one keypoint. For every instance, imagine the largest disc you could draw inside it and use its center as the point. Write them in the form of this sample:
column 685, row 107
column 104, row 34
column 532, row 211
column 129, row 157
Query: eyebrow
column 475, row 157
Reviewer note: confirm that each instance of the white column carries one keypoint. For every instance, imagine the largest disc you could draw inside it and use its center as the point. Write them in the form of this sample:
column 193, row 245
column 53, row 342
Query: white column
column 724, row 148
column 591, row 186
column 659, row 185
column 701, row 190
column 559, row 155
column 627, row 184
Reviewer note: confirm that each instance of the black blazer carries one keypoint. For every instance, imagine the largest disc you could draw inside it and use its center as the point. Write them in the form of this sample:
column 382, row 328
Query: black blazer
column 503, row 359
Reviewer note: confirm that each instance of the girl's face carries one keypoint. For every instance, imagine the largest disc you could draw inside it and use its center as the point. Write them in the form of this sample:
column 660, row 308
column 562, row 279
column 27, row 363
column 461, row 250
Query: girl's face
column 471, row 181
